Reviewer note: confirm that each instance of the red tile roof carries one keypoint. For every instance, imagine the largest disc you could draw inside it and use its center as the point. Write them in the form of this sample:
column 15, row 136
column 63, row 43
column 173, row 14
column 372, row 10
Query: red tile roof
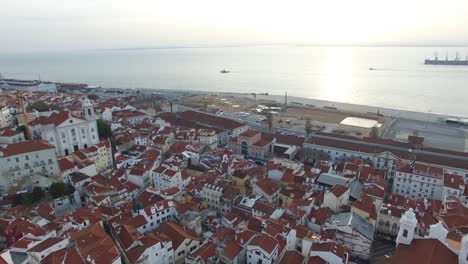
column 267, row 186
column 338, row 190
column 315, row 260
column 232, row 249
column 205, row 251
column 9, row 132
column 291, row 257
column 430, row 251
column 67, row 255
column 65, row 164
column 211, row 120
column 331, row 247
column 54, row 118
column 49, row 242
column 94, row 242
column 249, row 133
column 25, row 147
column 266, row 242
column 454, row 181
column 176, row 232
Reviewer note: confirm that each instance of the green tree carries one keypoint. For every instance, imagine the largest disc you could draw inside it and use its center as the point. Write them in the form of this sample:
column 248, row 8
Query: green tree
column 93, row 97
column 269, row 119
column 41, row 106
column 37, row 194
column 104, row 129
column 26, row 199
column 57, row 189
column 308, row 127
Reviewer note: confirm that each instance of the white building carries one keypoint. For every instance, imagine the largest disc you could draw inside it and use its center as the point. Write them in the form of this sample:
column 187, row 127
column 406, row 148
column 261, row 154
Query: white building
column 157, row 213
column 20, row 161
column 330, row 252
column 262, row 249
column 6, row 118
column 184, row 241
column 353, row 232
column 419, row 181
column 454, row 185
column 267, row 189
column 336, row 197
column 68, row 133
column 10, row 136
column 167, row 176
column 45, row 248
column 156, row 250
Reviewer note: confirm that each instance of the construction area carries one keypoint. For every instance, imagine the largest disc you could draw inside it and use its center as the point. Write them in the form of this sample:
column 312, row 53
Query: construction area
column 290, row 119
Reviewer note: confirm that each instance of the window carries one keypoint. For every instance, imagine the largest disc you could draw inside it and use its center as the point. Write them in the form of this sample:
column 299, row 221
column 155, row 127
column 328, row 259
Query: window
column 27, row 157
column 63, row 135
column 17, row 159
column 405, row 233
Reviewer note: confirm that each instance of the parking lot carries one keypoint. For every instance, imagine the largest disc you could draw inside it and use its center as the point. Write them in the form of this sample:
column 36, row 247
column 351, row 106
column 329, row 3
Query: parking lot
column 436, row 134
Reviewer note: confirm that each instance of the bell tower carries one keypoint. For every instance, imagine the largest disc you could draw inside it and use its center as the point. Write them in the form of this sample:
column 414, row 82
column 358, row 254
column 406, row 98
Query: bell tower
column 408, row 224
column 87, row 109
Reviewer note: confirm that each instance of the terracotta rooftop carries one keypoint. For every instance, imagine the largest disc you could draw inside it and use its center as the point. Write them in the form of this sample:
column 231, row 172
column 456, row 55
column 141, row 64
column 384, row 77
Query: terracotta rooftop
column 338, row 190
column 232, row 249
column 291, row 257
column 266, row 242
column 49, row 242
column 25, row 147
column 267, row 186
column 422, row 251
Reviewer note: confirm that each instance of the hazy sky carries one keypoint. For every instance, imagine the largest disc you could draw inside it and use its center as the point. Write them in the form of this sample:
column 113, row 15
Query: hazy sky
column 44, row 25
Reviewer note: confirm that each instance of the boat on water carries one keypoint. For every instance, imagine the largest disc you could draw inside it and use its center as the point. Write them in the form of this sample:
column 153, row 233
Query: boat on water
column 372, row 69
column 225, row 71
column 455, row 62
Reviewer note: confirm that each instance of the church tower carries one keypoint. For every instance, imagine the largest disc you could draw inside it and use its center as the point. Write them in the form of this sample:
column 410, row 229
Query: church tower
column 408, row 224
column 87, row 109
column 463, row 256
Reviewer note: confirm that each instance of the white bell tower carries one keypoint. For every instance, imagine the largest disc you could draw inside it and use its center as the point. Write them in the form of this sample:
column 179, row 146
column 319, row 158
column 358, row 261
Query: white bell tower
column 463, row 256
column 87, row 109
column 438, row 231
column 408, row 224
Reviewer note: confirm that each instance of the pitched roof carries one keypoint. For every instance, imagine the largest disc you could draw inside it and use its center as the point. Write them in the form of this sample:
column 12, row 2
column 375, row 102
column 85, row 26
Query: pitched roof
column 205, row 251
column 46, row 244
column 25, row 147
column 65, row 164
column 422, row 251
column 264, row 241
column 176, row 232
column 54, row 118
column 211, row 119
column 94, row 242
column 267, row 186
column 9, row 132
column 331, row 247
column 291, row 257
column 232, row 249
column 338, row 190
column 66, row 255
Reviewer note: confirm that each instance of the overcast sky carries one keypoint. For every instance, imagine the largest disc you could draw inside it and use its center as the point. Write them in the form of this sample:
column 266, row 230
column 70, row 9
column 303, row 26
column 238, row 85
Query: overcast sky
column 49, row 25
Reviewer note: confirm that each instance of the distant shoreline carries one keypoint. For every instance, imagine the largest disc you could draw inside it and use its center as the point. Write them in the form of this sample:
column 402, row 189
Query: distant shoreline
column 340, row 106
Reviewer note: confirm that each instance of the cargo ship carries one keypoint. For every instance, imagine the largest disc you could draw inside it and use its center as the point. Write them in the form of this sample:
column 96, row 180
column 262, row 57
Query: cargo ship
column 456, row 62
